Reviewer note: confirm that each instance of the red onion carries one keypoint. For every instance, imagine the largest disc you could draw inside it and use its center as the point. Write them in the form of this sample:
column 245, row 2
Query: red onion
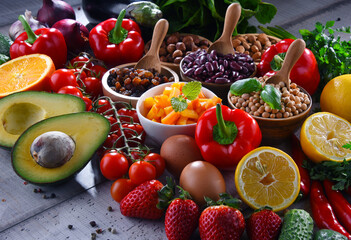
column 76, row 34
column 53, row 11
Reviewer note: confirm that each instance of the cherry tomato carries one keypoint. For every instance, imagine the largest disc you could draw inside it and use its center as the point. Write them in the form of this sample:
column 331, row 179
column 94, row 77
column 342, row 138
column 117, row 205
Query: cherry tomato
column 114, row 165
column 112, row 120
column 71, row 90
column 96, row 71
column 131, row 131
column 82, row 75
column 128, row 112
column 111, row 138
column 104, row 106
column 138, row 154
column 141, row 171
column 62, row 77
column 93, row 86
column 79, row 61
column 158, row 162
column 88, row 103
column 120, row 188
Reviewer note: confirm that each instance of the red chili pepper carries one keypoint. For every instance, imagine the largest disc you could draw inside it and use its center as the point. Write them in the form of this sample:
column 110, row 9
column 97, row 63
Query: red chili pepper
column 304, row 73
column 49, row 41
column 340, row 205
column 322, row 211
column 299, row 157
column 225, row 135
column 117, row 41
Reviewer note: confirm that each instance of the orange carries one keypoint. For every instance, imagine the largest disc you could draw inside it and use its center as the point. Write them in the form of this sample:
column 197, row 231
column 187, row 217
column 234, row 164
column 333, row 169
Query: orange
column 269, row 177
column 29, row 72
column 336, row 97
column 322, row 136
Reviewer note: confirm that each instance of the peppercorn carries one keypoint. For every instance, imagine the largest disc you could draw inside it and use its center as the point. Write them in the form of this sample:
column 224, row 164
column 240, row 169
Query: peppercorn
column 70, row 226
column 93, row 223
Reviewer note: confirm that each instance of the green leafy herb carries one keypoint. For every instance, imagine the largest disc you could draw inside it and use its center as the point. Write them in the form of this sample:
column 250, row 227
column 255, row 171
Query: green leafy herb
column 245, row 86
column 269, row 94
column 206, row 17
column 277, row 31
column 190, row 91
column 347, row 146
column 333, row 55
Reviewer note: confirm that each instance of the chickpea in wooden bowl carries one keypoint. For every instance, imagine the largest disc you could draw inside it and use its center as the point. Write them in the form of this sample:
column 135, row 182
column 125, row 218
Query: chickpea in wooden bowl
column 278, row 118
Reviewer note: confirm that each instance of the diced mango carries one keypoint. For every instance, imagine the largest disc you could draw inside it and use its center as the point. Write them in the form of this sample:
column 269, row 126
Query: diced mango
column 189, row 114
column 168, row 110
column 162, row 101
column 171, row 118
column 149, row 102
column 182, row 120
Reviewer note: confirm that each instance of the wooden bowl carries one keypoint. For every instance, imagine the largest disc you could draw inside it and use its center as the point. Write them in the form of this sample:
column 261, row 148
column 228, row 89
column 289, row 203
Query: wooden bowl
column 276, row 129
column 221, row 90
column 174, row 66
column 115, row 96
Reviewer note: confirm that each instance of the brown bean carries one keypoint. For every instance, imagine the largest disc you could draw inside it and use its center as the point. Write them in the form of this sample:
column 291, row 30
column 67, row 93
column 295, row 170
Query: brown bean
column 236, row 43
column 180, row 46
column 172, row 39
column 240, row 49
column 256, row 56
column 246, row 45
column 171, row 48
column 177, row 60
column 251, row 38
column 177, row 53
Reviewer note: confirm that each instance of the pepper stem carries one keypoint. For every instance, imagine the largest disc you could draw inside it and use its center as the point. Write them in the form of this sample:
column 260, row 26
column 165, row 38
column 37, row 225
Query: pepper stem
column 30, row 33
column 118, row 33
column 224, row 132
column 277, row 61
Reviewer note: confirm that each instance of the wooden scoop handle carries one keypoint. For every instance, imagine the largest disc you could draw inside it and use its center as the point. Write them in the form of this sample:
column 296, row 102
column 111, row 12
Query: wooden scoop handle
column 159, row 33
column 232, row 16
column 293, row 54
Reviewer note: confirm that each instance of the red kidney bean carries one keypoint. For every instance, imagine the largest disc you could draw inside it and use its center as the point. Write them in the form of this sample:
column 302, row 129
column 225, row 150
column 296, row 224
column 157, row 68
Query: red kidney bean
column 222, row 80
column 209, row 66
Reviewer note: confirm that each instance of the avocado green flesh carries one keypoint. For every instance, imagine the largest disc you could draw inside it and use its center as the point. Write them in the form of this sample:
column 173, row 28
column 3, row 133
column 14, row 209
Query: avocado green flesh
column 19, row 111
column 88, row 130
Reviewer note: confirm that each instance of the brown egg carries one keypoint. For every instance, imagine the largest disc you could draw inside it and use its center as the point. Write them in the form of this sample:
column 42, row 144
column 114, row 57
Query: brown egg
column 178, row 151
column 200, row 179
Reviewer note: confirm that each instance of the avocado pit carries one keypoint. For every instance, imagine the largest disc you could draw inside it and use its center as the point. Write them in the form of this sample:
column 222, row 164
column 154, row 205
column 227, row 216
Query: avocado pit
column 52, row 149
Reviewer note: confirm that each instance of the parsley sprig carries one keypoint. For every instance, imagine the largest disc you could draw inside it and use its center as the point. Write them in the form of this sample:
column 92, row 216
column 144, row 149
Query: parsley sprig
column 190, row 91
column 338, row 172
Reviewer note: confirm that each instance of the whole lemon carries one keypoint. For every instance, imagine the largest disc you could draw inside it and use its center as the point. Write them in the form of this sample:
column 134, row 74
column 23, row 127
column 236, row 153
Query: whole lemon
column 336, row 97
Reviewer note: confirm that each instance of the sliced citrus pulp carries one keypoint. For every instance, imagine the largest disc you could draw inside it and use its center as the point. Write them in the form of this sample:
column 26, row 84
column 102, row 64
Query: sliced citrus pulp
column 29, row 72
column 269, row 177
column 323, row 136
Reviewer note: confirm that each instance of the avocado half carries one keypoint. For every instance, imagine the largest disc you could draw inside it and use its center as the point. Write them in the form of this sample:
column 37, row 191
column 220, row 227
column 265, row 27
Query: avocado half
column 20, row 110
column 88, row 130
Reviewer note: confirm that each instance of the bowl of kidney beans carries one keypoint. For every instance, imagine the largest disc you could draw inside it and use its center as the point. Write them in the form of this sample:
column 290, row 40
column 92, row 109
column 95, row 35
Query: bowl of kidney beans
column 215, row 71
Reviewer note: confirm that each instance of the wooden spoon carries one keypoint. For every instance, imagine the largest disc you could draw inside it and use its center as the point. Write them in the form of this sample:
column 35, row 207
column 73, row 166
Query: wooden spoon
column 224, row 45
column 293, row 54
column 151, row 60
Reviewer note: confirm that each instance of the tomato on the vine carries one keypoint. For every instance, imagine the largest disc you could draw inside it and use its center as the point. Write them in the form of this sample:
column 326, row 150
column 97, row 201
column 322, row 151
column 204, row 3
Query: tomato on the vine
column 114, row 165
column 120, row 188
column 128, row 112
column 111, row 138
column 104, row 106
column 141, row 171
column 82, row 75
column 93, row 86
column 96, row 71
column 113, row 121
column 71, row 90
column 88, row 103
column 62, row 77
column 132, row 131
column 158, row 162
column 79, row 61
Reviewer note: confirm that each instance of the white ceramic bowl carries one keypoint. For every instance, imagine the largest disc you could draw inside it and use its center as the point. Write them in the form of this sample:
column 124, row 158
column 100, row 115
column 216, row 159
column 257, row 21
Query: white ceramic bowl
column 107, row 90
column 159, row 132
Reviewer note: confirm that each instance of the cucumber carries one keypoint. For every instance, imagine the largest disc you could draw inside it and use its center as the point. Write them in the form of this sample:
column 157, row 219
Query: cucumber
column 328, row 234
column 297, row 225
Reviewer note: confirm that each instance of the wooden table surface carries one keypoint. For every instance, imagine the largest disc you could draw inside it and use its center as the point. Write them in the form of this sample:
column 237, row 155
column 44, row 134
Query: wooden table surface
column 25, row 214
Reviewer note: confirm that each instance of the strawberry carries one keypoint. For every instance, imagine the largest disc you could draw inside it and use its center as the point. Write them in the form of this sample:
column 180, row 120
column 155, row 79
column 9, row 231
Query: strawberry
column 264, row 224
column 224, row 221
column 182, row 217
column 143, row 200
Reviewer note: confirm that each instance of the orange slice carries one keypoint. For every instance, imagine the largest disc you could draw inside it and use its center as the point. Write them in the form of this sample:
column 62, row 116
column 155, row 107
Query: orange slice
column 323, row 136
column 269, row 177
column 29, row 72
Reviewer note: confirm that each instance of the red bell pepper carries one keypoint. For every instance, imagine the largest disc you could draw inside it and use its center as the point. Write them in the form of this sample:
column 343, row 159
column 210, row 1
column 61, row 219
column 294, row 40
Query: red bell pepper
column 225, row 135
column 304, row 73
column 322, row 212
column 49, row 41
column 117, row 41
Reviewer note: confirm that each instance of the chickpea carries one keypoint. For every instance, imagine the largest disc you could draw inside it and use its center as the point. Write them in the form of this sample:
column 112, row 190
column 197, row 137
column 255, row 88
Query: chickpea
column 242, row 108
column 251, row 104
column 247, row 109
column 304, row 106
column 296, row 112
column 254, row 108
column 245, row 96
column 265, row 115
column 290, row 104
column 261, row 109
column 234, row 100
column 256, row 100
column 257, row 105
column 244, row 104
column 287, row 109
column 257, row 114
column 293, row 85
column 307, row 101
column 268, row 109
column 286, row 115
column 272, row 115
column 238, row 105
column 279, row 115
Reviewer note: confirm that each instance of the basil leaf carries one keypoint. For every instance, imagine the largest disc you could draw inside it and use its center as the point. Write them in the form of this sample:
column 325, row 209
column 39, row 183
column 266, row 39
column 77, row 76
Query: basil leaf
column 247, row 85
column 265, row 12
column 271, row 96
column 178, row 104
column 191, row 90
